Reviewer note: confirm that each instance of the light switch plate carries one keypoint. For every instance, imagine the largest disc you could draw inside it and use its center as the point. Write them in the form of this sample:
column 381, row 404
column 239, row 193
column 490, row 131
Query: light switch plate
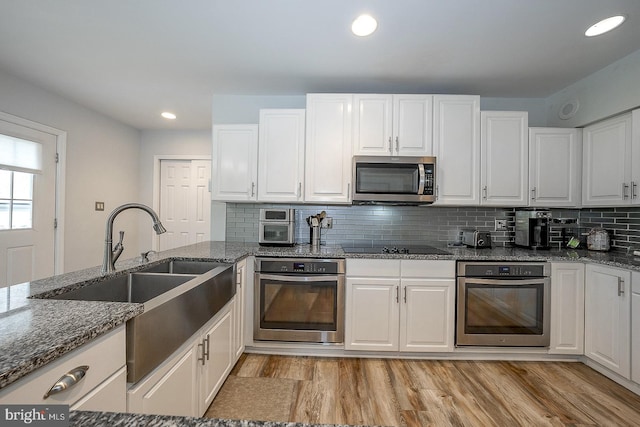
column 501, row 225
column 99, row 206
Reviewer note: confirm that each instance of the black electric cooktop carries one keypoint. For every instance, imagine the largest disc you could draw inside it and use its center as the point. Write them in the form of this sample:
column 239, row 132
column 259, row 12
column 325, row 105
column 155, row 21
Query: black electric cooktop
column 395, row 249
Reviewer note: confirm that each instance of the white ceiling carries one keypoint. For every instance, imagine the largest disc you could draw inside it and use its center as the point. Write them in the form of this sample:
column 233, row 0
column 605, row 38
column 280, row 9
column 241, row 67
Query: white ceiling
column 132, row 59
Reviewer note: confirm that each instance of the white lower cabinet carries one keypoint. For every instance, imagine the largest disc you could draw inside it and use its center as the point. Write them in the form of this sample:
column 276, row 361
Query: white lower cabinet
column 635, row 327
column 567, row 308
column 238, row 309
column 188, row 381
column 608, row 318
column 400, row 305
column 103, row 387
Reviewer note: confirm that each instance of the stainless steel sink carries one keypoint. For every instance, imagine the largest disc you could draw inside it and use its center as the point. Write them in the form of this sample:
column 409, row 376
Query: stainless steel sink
column 183, row 267
column 134, row 287
column 179, row 297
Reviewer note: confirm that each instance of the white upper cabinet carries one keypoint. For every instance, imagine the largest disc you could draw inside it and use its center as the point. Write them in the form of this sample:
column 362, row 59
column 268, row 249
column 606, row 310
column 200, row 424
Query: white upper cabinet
column 281, row 155
column 234, row 163
column 504, row 158
column 392, row 125
column 328, row 148
column 608, row 148
column 456, row 145
column 555, row 167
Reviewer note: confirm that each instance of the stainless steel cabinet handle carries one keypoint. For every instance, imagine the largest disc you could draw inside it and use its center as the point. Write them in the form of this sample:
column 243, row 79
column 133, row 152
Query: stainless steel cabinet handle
column 620, row 286
column 349, row 190
column 397, row 145
column 397, row 294
column 253, row 189
column 484, row 192
column 390, row 145
column 208, row 340
column 405, row 294
column 204, row 353
column 533, row 193
column 299, row 189
column 633, row 189
column 239, row 278
column 625, row 186
column 67, row 381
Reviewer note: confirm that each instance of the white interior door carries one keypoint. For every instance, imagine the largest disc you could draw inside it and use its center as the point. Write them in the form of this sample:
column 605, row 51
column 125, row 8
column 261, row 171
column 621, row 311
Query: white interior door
column 185, row 202
column 27, row 203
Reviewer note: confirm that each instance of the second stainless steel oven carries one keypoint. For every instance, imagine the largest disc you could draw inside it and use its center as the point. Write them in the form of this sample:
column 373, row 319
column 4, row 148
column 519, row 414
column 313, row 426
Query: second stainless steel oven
column 503, row 304
column 299, row 300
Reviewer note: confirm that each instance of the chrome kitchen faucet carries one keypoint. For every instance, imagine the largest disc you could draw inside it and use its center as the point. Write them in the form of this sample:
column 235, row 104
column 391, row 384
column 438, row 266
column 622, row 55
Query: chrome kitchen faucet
column 111, row 255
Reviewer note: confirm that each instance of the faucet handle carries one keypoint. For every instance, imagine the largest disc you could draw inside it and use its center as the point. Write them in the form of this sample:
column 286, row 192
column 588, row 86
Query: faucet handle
column 119, row 244
column 144, row 256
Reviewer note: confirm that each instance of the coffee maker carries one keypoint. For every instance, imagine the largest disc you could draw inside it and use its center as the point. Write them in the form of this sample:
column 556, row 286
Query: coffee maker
column 532, row 228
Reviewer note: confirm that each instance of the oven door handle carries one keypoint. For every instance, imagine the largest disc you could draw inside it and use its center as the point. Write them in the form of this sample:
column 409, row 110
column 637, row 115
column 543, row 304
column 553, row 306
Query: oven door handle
column 298, row 278
column 493, row 282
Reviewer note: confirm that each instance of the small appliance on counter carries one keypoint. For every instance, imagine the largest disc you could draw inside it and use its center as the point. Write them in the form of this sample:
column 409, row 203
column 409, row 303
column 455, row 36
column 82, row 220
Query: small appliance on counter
column 476, row 239
column 277, row 227
column 532, row 228
column 598, row 240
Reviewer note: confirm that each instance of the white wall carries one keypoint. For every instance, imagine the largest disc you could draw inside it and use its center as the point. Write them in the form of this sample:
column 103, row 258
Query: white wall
column 101, row 165
column 536, row 107
column 245, row 109
column 164, row 143
column 612, row 90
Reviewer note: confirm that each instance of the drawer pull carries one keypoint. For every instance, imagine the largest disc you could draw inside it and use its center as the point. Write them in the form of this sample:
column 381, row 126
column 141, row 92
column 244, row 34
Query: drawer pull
column 67, row 381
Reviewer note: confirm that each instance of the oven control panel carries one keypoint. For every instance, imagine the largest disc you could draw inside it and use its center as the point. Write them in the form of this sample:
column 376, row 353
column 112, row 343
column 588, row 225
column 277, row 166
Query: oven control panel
column 299, row 266
column 492, row 269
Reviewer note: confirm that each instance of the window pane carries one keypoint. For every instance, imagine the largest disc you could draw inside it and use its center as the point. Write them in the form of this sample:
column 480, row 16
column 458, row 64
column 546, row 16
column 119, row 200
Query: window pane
column 22, row 214
column 5, row 184
column 22, row 185
column 4, row 214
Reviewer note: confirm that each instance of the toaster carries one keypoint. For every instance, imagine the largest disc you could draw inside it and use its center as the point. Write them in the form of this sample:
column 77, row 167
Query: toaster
column 476, row 239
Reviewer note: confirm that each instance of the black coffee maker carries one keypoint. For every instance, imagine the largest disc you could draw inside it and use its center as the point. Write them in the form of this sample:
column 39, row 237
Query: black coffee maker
column 532, row 228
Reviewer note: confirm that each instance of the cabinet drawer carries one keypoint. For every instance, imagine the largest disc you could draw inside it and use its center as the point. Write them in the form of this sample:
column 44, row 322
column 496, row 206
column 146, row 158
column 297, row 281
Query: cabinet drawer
column 373, row 267
column 428, row 268
column 104, row 356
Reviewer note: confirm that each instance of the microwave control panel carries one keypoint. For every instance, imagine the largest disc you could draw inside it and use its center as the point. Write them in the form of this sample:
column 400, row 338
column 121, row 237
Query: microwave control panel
column 429, row 179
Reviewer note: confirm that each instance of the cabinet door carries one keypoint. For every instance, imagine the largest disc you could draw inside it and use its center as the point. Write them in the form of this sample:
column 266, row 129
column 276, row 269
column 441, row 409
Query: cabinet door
column 234, row 163
column 372, row 125
column 172, row 389
column 456, row 145
column 635, row 327
column 567, row 308
column 328, row 148
column 412, row 125
column 504, row 153
column 555, row 167
column 607, row 162
column 635, row 158
column 607, row 318
column 218, row 342
column 427, row 315
column 281, row 155
column 238, row 309
column 371, row 314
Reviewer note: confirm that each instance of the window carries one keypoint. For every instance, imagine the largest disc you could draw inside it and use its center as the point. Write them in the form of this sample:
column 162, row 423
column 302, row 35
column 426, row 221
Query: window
column 16, row 200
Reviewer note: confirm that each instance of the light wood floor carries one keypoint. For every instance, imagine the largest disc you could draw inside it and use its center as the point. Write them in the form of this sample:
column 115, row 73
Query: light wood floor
column 394, row 392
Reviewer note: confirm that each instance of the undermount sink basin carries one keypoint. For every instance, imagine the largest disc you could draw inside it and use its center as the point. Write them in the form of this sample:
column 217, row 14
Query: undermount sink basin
column 183, row 267
column 133, row 287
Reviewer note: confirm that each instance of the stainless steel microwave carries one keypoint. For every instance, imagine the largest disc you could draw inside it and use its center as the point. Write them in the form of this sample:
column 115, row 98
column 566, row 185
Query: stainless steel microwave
column 394, row 180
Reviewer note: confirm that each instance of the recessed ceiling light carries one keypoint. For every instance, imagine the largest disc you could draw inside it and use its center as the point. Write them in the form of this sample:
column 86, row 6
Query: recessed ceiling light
column 168, row 115
column 364, row 25
column 604, row 26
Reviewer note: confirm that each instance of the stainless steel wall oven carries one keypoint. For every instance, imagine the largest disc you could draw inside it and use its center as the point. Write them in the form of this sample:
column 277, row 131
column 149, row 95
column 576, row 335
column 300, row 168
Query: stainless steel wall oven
column 299, row 300
column 503, row 304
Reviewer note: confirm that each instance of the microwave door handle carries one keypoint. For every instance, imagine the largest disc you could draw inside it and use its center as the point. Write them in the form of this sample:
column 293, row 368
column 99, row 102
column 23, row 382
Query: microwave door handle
column 422, row 178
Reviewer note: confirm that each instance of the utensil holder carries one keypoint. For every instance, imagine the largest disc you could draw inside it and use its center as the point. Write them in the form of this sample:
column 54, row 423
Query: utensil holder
column 315, row 237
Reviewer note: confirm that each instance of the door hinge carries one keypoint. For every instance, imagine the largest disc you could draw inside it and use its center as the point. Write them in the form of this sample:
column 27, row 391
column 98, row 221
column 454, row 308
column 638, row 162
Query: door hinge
column 55, row 223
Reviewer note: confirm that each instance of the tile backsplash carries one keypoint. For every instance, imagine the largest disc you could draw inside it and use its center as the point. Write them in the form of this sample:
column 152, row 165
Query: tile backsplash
column 413, row 225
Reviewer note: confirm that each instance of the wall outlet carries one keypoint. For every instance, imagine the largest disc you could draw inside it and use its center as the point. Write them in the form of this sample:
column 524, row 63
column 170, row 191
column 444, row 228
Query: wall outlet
column 326, row 222
column 99, row 206
column 501, row 225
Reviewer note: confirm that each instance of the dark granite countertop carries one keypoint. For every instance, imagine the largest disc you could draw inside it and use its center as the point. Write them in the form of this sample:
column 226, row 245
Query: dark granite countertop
column 33, row 332
column 83, row 418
